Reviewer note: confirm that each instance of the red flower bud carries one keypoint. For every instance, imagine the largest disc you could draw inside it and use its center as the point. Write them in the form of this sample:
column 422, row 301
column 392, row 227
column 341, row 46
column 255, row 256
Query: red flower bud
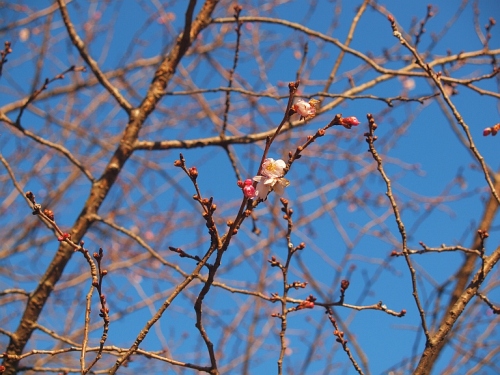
column 193, row 172
column 349, row 122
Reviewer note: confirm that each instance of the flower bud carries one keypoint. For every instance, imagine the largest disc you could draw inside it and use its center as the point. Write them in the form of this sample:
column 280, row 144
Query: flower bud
column 249, row 191
column 193, row 172
column 349, row 122
column 49, row 214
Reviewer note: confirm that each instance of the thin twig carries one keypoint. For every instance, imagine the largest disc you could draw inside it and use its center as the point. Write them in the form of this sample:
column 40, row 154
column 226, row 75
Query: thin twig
column 80, row 45
column 370, row 139
column 437, row 79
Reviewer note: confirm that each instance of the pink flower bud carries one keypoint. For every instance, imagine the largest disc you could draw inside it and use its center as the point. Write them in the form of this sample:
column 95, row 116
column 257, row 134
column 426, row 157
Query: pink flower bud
column 249, row 192
column 248, row 189
column 349, row 122
column 305, row 109
column 487, row 131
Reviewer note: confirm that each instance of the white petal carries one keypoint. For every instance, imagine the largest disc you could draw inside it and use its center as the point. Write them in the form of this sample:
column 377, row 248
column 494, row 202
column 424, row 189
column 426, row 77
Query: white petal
column 270, row 181
column 279, row 189
column 262, row 190
column 280, row 164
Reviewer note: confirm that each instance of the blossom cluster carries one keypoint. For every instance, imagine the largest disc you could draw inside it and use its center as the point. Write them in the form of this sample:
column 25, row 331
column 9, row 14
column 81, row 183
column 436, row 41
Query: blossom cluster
column 270, row 179
column 272, row 172
column 307, row 111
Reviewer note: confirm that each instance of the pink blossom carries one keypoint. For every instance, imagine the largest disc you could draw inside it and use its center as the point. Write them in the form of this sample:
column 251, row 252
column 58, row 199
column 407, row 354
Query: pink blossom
column 273, row 168
column 268, row 184
column 271, row 178
column 408, row 83
column 305, row 109
column 280, row 185
column 262, row 189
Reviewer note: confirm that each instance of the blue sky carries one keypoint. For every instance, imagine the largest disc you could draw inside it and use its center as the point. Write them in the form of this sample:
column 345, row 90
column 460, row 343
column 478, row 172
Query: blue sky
column 423, row 160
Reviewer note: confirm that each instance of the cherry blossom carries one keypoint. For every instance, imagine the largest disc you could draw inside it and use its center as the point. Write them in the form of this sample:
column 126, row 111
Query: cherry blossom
column 306, row 110
column 271, row 178
column 273, row 168
column 262, row 189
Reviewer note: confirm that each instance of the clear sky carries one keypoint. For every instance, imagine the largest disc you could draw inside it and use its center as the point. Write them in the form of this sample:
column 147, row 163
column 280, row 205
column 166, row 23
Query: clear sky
column 421, row 163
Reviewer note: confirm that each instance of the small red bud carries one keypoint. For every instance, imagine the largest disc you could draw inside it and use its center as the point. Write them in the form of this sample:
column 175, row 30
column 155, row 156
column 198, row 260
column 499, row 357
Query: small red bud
column 64, row 236
column 344, row 284
column 30, row 196
column 349, row 122
column 193, row 172
column 49, row 214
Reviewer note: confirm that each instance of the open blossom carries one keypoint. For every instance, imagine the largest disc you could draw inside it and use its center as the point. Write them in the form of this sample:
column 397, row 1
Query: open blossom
column 305, row 109
column 262, row 189
column 273, row 168
column 268, row 184
column 271, row 178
